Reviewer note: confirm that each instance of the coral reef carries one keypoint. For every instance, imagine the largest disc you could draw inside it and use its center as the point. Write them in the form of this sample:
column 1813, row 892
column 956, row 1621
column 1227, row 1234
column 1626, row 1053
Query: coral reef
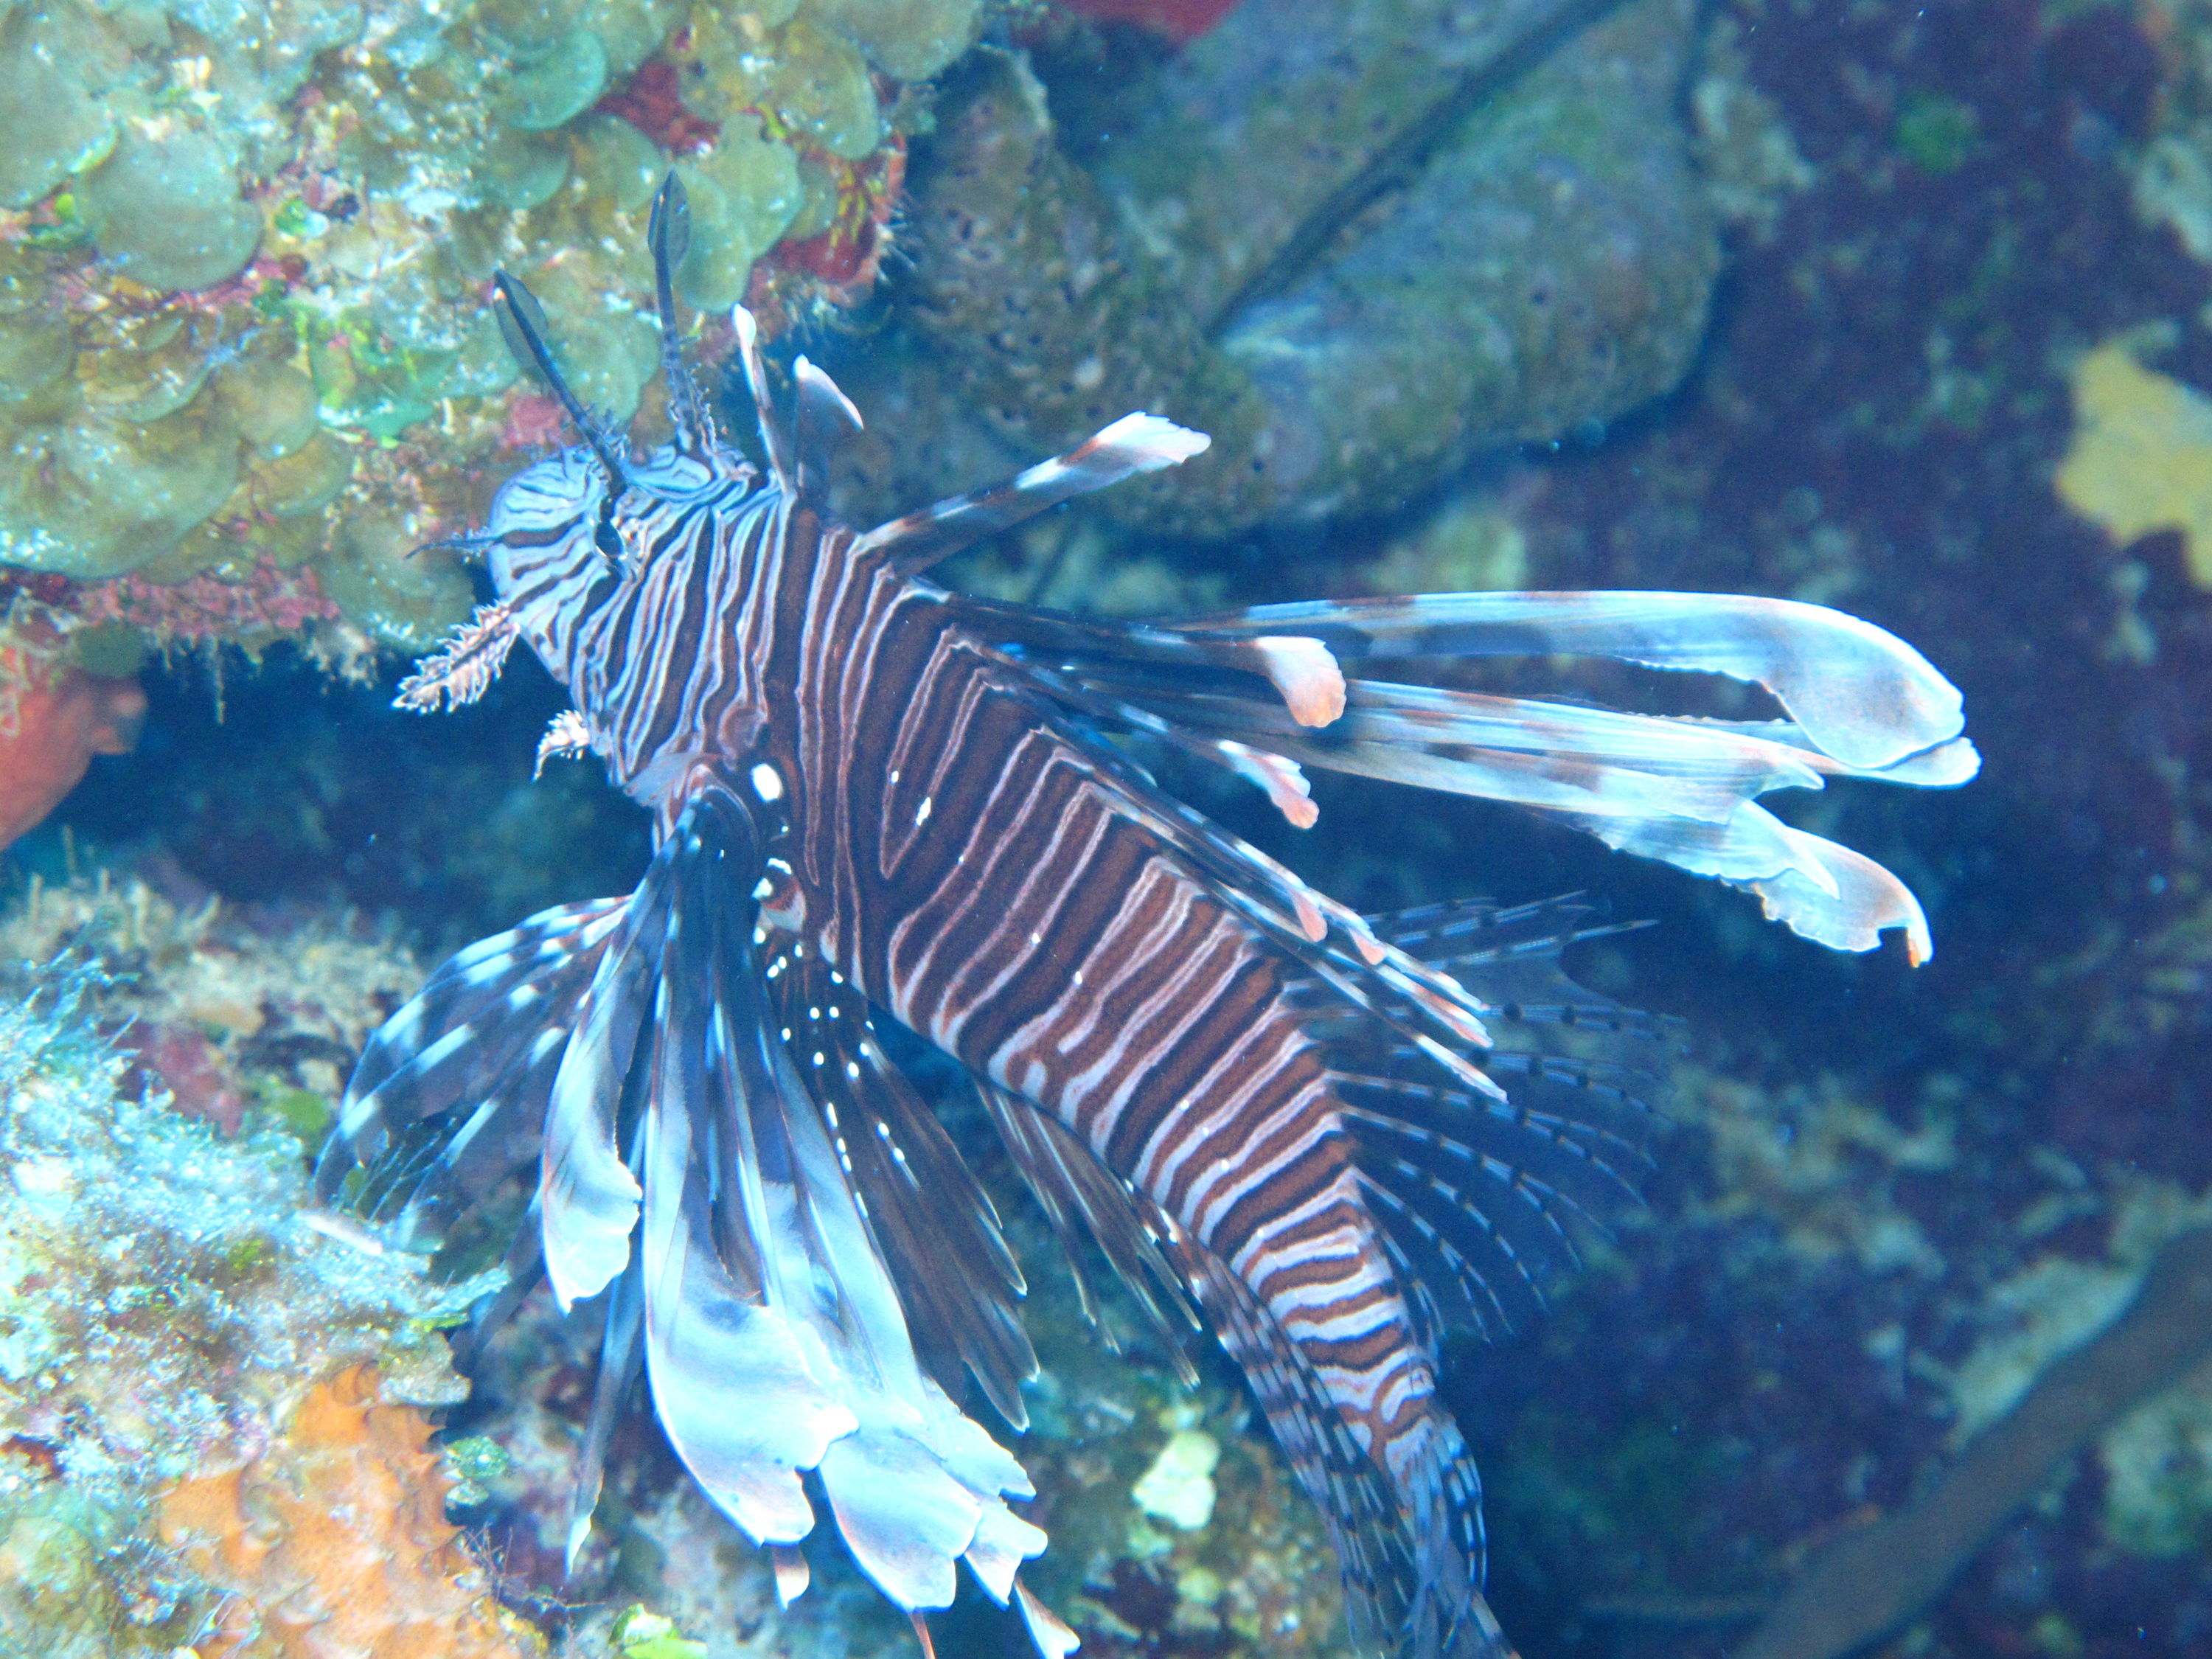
column 1475, row 229
column 173, row 1318
column 1895, row 1202
column 243, row 251
column 235, row 1013
column 332, row 1542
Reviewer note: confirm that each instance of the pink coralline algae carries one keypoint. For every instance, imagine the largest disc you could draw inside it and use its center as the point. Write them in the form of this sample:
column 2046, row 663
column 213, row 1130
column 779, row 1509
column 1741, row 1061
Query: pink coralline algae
column 269, row 601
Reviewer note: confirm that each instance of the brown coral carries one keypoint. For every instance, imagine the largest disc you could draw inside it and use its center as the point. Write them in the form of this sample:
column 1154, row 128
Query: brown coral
column 334, row 1544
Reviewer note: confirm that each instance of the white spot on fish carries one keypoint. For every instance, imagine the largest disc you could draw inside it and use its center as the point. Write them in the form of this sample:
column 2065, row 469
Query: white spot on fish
column 922, row 813
column 768, row 783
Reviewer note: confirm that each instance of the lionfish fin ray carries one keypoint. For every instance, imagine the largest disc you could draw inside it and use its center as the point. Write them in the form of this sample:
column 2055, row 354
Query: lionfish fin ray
column 935, row 1228
column 1304, row 672
column 1133, row 445
column 775, row 441
column 621, row 1359
column 1081, row 1198
column 1679, row 791
column 450, row 1095
column 1858, row 693
column 826, row 419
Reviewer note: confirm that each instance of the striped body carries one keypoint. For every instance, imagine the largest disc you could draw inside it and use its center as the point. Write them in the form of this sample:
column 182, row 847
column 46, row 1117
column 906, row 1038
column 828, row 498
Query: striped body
column 968, row 868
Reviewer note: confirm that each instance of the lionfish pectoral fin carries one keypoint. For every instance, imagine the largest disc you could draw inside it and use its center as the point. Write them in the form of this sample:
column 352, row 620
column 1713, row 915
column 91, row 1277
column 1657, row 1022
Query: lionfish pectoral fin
column 774, row 1335
column 449, row 1095
column 1135, row 443
column 1049, row 1632
column 621, row 1357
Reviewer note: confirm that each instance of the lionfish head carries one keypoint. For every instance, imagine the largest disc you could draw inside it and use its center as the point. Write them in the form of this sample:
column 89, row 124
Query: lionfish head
column 568, row 530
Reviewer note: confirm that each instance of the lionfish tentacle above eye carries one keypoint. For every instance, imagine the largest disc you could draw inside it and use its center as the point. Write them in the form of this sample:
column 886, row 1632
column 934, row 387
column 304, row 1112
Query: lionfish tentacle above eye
column 522, row 324
column 1329, row 1138
column 668, row 234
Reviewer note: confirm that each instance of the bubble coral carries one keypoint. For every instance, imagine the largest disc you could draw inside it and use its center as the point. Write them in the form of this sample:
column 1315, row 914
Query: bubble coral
column 243, row 250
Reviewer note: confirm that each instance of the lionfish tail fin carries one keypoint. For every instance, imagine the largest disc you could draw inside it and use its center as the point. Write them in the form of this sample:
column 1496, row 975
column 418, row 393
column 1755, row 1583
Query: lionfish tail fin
column 1133, row 445
column 1435, row 1476
column 1371, row 1528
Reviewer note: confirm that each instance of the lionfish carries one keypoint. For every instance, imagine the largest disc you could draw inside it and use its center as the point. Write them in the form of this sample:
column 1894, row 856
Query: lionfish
column 1329, row 1138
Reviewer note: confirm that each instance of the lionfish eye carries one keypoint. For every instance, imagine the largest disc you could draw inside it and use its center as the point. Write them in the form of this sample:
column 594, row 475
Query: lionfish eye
column 606, row 537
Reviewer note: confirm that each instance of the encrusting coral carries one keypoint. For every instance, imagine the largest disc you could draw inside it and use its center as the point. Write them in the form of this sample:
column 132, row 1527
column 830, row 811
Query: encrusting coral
column 2141, row 457
column 243, row 249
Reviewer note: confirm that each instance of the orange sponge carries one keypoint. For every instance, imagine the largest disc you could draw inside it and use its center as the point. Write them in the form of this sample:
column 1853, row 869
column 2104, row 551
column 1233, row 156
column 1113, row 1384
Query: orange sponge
column 334, row 1545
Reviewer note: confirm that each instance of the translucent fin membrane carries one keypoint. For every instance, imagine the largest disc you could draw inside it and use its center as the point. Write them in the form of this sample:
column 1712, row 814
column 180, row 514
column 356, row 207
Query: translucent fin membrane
column 1861, row 704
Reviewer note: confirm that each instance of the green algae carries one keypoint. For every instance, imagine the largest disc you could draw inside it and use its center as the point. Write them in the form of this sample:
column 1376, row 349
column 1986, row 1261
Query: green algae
column 168, row 212
column 909, row 39
column 742, row 197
